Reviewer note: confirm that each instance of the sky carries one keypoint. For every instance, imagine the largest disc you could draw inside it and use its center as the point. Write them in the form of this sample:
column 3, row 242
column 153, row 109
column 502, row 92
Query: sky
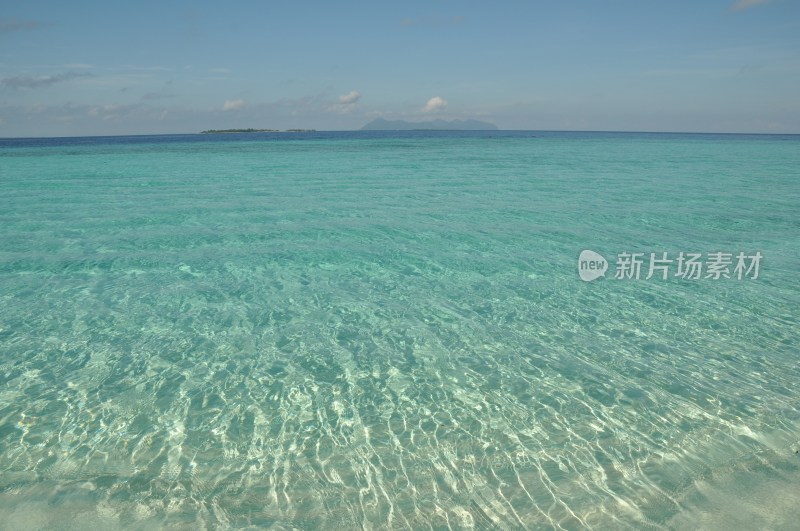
column 113, row 68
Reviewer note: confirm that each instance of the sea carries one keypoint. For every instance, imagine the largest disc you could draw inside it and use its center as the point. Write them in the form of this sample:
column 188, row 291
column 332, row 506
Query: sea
column 400, row 330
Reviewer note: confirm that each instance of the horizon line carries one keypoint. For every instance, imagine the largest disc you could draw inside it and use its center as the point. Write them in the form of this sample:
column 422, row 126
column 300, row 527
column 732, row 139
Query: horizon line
column 314, row 131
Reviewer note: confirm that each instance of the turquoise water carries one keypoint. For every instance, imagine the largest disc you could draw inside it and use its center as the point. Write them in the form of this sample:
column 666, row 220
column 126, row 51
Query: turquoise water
column 352, row 330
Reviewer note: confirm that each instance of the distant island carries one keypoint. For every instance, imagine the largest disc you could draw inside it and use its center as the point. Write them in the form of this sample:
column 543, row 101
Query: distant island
column 221, row 131
column 379, row 124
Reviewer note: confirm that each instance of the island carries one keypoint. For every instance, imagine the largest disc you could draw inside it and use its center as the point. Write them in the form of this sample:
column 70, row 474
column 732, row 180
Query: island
column 380, row 124
column 224, row 131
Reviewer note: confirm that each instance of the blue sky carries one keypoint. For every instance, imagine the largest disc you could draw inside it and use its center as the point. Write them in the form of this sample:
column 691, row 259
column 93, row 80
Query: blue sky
column 91, row 68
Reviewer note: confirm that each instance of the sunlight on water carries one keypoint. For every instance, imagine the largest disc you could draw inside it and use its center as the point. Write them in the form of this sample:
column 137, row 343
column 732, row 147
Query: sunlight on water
column 356, row 330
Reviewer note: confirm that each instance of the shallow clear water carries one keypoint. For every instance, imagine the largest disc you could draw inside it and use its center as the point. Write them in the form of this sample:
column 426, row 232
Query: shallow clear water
column 374, row 330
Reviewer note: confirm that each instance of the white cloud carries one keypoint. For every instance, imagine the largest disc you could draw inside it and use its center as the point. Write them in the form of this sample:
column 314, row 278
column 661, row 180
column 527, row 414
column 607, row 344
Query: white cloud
column 232, row 105
column 347, row 103
column 741, row 5
column 434, row 104
column 350, row 98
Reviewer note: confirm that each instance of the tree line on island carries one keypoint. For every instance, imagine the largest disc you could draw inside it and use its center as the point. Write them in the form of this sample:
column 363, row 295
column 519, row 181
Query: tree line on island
column 381, row 124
